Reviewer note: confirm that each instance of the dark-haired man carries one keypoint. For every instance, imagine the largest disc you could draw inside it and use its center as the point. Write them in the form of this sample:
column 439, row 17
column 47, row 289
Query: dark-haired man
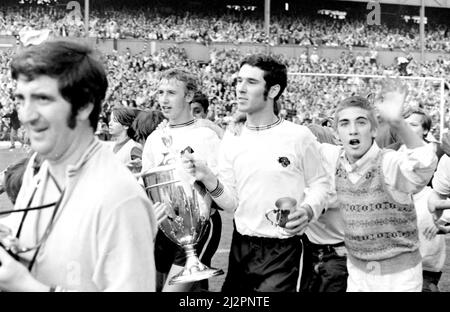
column 267, row 160
column 97, row 231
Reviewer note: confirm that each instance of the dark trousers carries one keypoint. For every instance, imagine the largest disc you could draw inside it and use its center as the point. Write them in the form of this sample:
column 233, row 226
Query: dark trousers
column 259, row 264
column 323, row 269
column 431, row 281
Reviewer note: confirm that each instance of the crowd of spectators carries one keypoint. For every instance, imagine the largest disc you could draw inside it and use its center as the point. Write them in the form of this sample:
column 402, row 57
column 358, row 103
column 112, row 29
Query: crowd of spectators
column 308, row 99
column 5, row 93
column 224, row 26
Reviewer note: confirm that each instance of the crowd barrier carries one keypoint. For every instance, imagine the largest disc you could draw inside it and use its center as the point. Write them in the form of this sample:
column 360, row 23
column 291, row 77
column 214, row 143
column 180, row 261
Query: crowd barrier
column 201, row 52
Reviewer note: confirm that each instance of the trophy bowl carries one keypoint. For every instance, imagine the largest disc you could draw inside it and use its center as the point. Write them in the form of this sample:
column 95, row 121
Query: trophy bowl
column 187, row 218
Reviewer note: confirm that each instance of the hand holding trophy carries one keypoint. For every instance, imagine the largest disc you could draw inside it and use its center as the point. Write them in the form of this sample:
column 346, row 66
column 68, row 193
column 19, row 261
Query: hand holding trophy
column 279, row 216
column 187, row 216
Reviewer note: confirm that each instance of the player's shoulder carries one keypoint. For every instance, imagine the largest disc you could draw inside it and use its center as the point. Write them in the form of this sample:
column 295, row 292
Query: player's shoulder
column 204, row 132
column 296, row 130
column 157, row 133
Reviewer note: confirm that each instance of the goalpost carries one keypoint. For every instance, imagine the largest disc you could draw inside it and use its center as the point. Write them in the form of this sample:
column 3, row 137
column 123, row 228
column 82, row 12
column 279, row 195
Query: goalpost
column 418, row 87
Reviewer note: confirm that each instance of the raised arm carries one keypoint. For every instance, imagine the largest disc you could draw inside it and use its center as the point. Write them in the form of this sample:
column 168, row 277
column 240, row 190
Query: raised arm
column 390, row 104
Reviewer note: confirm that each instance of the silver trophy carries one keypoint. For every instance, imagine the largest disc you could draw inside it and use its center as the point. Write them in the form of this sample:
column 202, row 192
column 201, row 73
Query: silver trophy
column 279, row 216
column 187, row 213
column 186, row 218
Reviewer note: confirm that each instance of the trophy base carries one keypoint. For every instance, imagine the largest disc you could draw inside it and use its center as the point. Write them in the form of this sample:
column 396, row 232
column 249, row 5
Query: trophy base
column 185, row 276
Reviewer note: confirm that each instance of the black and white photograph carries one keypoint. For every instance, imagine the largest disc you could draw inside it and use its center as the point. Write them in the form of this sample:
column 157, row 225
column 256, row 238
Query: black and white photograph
column 226, row 150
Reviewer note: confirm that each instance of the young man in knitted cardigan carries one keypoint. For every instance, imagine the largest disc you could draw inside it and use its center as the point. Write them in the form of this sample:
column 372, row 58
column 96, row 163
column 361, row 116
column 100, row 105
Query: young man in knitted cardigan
column 374, row 189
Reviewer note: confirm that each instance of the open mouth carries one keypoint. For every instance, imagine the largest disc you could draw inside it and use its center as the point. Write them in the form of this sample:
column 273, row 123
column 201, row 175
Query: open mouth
column 354, row 142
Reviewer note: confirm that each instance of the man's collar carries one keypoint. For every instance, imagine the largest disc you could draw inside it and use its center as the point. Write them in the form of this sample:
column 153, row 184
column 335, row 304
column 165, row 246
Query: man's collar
column 369, row 156
column 183, row 124
column 71, row 169
column 92, row 148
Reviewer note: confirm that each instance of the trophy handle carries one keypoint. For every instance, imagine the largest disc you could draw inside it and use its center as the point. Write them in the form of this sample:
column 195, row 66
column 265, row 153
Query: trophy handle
column 281, row 216
column 188, row 222
column 270, row 212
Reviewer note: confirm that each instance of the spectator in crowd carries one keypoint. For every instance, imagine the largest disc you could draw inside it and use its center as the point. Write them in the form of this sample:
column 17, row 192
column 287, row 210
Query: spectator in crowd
column 127, row 150
column 199, row 109
column 421, row 123
column 432, row 246
column 314, row 96
column 102, row 129
column 199, row 106
column 145, row 123
column 152, row 23
column 14, row 125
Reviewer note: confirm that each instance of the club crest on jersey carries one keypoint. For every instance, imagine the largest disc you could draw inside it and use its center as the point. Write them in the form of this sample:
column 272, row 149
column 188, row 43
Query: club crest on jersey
column 284, row 161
